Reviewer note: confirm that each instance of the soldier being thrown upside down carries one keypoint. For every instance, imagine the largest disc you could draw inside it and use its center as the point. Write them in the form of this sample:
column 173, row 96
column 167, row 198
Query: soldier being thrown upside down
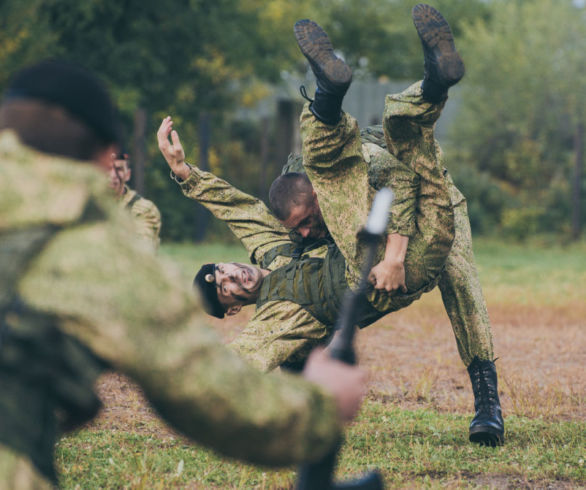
column 299, row 284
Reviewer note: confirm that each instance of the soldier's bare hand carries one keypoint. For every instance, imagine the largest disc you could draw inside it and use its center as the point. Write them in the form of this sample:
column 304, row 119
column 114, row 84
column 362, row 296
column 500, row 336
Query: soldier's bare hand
column 389, row 276
column 346, row 383
column 172, row 150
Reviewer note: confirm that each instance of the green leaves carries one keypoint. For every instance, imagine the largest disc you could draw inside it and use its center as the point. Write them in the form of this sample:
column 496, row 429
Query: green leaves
column 523, row 96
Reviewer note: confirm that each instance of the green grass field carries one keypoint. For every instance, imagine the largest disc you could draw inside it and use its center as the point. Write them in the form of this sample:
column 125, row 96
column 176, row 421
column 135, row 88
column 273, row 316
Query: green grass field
column 412, row 448
column 422, row 446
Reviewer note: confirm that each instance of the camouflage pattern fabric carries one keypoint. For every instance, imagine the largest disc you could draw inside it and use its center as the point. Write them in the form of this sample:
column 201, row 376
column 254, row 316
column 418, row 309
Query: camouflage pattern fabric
column 17, row 472
column 279, row 331
column 461, row 291
column 247, row 217
column 459, row 283
column 145, row 214
column 110, row 293
column 383, row 170
column 335, row 164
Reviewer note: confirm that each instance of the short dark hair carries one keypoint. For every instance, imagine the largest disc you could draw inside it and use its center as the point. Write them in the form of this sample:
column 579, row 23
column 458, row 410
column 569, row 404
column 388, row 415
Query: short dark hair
column 288, row 190
column 49, row 129
column 59, row 107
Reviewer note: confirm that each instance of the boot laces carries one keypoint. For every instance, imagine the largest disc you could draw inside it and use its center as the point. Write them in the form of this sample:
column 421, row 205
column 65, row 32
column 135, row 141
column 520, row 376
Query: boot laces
column 484, row 390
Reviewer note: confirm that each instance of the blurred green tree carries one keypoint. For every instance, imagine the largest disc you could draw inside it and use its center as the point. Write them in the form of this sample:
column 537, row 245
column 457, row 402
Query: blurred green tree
column 185, row 58
column 377, row 37
column 518, row 138
column 523, row 106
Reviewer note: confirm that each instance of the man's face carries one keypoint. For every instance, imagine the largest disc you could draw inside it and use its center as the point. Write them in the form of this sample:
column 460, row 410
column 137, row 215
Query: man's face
column 237, row 285
column 306, row 219
column 119, row 174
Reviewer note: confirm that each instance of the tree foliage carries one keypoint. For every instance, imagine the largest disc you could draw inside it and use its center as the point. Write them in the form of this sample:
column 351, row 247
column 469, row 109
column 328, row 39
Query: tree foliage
column 378, row 36
column 523, row 100
column 183, row 57
column 524, row 97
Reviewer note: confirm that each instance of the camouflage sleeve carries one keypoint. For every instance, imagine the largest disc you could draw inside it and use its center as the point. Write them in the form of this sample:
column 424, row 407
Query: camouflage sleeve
column 384, row 170
column 147, row 219
column 18, row 472
column 248, row 217
column 279, row 331
column 112, row 294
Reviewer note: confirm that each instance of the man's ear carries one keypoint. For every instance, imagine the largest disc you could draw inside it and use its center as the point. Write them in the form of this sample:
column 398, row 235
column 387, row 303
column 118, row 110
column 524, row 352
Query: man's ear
column 232, row 310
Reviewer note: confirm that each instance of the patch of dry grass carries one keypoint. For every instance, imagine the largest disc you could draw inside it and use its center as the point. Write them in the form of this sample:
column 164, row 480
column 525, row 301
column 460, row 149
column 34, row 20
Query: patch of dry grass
column 413, row 360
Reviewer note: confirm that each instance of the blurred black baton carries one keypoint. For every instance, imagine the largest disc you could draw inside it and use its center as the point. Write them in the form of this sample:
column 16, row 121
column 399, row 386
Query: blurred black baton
column 319, row 475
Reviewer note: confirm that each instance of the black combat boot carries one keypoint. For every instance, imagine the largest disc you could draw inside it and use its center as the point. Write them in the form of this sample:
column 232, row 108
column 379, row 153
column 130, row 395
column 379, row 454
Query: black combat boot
column 333, row 76
column 487, row 426
column 443, row 65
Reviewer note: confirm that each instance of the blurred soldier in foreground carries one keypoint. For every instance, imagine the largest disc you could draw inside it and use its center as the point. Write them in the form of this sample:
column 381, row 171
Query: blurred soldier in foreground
column 81, row 294
column 145, row 213
column 326, row 211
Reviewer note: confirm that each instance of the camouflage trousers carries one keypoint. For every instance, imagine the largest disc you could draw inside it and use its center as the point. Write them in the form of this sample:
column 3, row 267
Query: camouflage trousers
column 440, row 252
column 461, row 292
column 335, row 164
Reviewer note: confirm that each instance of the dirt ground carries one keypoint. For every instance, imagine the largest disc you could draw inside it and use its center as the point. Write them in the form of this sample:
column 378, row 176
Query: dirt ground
column 413, row 362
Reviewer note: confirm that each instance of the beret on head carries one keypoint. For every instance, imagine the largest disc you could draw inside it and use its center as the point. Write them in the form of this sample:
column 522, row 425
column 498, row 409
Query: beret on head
column 206, row 285
column 71, row 87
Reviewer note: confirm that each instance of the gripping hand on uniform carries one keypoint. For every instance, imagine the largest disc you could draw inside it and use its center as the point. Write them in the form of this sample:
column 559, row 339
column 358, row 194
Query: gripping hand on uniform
column 172, row 150
column 389, row 274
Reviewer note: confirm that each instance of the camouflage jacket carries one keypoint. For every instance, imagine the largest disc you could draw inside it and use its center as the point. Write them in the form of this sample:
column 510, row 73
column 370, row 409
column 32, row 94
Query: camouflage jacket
column 105, row 289
column 278, row 330
column 382, row 172
column 281, row 331
column 145, row 214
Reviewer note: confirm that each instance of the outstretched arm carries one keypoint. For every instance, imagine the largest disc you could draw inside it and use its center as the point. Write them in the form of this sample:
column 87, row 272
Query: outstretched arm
column 248, row 217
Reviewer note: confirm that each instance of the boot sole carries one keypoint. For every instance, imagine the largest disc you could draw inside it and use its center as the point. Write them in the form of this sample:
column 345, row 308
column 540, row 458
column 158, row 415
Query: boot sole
column 486, row 437
column 317, row 48
column 435, row 33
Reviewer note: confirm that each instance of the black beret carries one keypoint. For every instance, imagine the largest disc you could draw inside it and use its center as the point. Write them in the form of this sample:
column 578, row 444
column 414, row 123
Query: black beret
column 71, row 87
column 208, row 291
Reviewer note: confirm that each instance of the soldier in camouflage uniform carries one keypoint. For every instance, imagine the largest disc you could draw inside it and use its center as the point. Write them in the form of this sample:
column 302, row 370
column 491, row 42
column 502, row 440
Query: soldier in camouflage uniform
column 81, row 294
column 298, row 287
column 145, row 213
column 338, row 172
column 344, row 173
